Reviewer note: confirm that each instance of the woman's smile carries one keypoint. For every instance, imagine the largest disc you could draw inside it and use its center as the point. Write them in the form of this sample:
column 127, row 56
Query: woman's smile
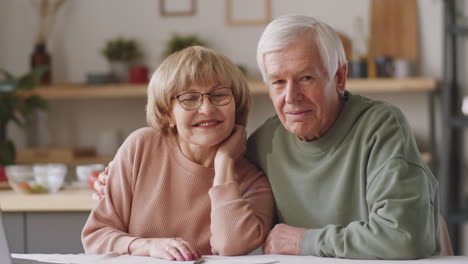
column 208, row 123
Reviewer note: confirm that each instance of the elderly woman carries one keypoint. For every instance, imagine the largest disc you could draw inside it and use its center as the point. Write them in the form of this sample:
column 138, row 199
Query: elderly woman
column 181, row 187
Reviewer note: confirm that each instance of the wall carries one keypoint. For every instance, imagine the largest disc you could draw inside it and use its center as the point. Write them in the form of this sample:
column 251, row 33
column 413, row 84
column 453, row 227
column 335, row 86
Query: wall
column 82, row 27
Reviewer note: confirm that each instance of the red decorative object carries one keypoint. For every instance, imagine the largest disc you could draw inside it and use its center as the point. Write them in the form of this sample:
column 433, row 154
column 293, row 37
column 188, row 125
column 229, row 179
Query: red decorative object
column 41, row 57
column 138, row 74
column 3, row 177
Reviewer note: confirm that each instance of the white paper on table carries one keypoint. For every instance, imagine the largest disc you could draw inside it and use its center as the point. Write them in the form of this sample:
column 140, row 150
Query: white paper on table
column 109, row 258
column 114, row 258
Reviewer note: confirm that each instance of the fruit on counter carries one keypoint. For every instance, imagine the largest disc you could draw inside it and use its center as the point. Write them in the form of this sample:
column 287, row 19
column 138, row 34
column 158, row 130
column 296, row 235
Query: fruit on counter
column 94, row 176
column 37, row 188
column 27, row 188
column 24, row 186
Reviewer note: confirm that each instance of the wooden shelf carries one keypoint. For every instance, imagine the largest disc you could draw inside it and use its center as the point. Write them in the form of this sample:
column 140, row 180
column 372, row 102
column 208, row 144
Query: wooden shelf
column 110, row 91
column 391, row 85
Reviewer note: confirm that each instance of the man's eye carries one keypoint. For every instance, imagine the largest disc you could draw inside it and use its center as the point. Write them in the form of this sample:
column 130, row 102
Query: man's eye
column 307, row 78
column 278, row 82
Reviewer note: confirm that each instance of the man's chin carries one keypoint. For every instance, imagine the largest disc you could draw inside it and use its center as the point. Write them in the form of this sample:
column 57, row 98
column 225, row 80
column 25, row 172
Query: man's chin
column 302, row 133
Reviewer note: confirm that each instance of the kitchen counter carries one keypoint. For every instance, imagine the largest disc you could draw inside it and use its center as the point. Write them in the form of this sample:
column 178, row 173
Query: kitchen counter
column 69, row 199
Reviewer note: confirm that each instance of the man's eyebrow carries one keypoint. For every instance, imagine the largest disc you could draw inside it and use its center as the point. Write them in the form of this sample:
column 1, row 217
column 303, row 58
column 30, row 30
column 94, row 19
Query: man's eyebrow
column 273, row 76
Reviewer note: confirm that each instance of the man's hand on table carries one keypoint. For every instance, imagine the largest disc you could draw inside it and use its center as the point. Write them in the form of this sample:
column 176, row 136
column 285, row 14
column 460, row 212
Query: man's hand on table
column 284, row 239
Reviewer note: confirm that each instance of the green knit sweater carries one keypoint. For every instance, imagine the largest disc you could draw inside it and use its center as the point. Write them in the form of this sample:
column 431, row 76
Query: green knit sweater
column 362, row 190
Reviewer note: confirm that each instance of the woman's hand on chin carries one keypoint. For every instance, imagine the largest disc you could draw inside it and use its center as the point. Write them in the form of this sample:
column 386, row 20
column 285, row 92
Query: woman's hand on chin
column 233, row 147
column 230, row 150
column 164, row 248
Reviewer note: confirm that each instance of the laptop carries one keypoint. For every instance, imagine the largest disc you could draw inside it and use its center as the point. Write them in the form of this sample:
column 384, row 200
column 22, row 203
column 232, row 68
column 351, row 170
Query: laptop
column 5, row 256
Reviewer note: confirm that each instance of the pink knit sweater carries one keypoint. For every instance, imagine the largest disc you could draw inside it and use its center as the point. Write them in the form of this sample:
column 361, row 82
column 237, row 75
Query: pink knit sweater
column 154, row 191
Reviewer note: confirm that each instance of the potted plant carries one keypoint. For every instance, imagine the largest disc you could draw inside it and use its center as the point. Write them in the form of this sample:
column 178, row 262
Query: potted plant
column 178, row 42
column 121, row 53
column 17, row 107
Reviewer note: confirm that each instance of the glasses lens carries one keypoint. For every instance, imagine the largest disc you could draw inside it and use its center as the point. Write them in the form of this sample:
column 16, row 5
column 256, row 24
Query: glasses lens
column 221, row 96
column 189, row 101
column 193, row 100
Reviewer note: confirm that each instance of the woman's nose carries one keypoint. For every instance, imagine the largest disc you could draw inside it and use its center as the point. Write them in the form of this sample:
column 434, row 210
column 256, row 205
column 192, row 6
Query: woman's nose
column 206, row 105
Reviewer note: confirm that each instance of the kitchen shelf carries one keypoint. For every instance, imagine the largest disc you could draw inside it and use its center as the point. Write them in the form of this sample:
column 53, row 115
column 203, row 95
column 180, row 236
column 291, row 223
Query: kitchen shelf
column 110, row 91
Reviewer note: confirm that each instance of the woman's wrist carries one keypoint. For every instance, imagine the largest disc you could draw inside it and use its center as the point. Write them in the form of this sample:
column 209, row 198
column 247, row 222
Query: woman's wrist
column 138, row 247
column 224, row 171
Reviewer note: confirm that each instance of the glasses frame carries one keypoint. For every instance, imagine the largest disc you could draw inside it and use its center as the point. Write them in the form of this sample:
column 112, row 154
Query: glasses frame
column 202, row 95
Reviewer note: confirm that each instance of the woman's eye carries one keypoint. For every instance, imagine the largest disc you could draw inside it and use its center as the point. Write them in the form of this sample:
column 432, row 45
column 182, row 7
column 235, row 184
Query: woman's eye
column 190, row 99
column 219, row 94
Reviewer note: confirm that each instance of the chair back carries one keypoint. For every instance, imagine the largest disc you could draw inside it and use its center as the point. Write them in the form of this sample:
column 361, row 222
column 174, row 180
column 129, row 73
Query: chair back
column 445, row 243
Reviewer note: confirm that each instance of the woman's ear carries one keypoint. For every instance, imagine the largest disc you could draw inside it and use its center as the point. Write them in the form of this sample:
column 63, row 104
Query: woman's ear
column 340, row 76
column 171, row 121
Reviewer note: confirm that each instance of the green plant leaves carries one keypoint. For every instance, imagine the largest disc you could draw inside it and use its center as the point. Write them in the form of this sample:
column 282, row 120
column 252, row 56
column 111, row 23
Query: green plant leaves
column 17, row 107
column 120, row 49
column 178, row 42
column 7, row 153
column 31, row 104
column 30, row 80
column 8, row 103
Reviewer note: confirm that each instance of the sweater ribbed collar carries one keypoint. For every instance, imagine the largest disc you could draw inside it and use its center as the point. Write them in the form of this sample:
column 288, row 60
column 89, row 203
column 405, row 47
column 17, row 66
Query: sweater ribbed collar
column 337, row 132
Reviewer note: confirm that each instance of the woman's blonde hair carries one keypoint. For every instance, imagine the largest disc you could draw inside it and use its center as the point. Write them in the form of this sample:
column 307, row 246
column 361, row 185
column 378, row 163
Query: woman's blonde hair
column 193, row 65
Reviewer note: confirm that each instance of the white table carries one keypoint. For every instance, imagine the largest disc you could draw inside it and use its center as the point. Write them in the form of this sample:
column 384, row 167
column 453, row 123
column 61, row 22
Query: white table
column 250, row 259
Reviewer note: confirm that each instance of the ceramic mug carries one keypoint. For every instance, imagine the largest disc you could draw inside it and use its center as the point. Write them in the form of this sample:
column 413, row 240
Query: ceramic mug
column 403, row 68
column 385, row 67
column 357, row 69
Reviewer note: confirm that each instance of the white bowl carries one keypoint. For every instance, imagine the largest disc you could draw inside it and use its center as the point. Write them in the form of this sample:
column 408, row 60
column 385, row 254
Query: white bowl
column 21, row 179
column 83, row 172
column 51, row 175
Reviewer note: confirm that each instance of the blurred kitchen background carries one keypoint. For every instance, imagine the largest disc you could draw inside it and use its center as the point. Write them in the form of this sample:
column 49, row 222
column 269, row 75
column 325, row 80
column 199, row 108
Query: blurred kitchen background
column 81, row 29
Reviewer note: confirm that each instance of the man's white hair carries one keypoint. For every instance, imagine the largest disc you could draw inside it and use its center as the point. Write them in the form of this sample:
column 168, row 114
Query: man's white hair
column 288, row 29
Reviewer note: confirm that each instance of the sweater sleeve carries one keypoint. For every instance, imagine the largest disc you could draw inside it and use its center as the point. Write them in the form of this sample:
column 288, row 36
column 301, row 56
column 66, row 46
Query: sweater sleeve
column 242, row 213
column 401, row 222
column 106, row 229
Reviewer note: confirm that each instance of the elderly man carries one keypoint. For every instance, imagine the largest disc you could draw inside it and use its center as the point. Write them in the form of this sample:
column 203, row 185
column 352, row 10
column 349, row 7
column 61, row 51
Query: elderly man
column 346, row 174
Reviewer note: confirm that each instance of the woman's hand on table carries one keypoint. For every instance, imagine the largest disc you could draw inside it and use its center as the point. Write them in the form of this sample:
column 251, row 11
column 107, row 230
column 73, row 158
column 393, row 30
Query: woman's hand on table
column 100, row 184
column 164, row 248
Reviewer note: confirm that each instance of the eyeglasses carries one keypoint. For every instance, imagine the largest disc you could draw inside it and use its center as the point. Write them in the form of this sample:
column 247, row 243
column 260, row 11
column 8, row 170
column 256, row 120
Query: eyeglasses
column 193, row 100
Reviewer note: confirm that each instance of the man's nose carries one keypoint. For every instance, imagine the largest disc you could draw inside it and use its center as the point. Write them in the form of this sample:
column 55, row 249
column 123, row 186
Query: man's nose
column 293, row 93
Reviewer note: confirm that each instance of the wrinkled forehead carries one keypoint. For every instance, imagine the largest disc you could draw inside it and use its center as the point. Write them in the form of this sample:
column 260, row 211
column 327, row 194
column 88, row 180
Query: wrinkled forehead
column 296, row 58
